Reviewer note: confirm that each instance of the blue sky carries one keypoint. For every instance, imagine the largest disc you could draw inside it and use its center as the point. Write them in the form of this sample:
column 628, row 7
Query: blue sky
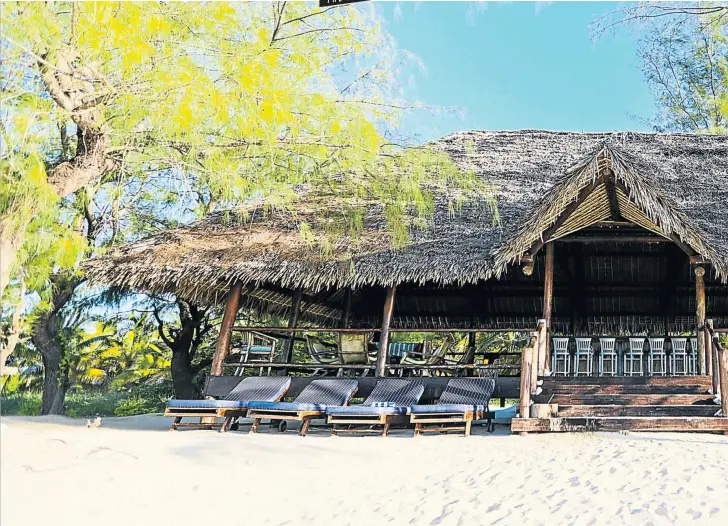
column 520, row 65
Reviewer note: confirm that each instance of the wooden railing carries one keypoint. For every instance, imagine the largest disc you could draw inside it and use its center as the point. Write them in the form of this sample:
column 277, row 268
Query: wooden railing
column 720, row 369
column 533, row 364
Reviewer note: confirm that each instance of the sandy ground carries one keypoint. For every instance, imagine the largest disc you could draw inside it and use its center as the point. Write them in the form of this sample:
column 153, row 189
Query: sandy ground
column 132, row 472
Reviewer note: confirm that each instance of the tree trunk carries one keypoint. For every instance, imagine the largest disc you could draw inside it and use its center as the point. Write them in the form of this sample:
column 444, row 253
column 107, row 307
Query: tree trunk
column 182, row 375
column 47, row 340
column 55, row 382
column 184, row 342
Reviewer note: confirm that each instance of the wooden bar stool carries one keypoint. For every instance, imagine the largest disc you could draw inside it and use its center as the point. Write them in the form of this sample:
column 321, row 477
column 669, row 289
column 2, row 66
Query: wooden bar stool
column 633, row 357
column 561, row 355
column 692, row 359
column 608, row 356
column 679, row 356
column 584, row 353
column 657, row 356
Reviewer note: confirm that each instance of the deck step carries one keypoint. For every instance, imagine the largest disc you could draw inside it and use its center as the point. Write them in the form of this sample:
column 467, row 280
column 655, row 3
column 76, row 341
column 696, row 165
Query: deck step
column 587, row 389
column 628, row 380
column 637, row 410
column 575, row 424
column 624, row 399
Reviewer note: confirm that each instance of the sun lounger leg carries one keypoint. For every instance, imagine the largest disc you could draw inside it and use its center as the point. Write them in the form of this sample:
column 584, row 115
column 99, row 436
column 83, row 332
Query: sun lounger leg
column 333, row 429
column 418, row 429
column 225, row 427
column 175, row 423
column 256, row 423
column 385, row 430
column 468, row 424
column 304, row 426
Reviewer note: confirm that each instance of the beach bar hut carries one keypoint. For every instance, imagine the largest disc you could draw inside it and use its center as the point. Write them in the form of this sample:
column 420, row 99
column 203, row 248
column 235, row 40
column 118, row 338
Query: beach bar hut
column 609, row 250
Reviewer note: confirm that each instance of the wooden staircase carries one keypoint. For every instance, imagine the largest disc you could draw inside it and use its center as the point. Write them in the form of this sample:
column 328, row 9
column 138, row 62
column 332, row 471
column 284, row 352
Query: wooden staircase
column 683, row 403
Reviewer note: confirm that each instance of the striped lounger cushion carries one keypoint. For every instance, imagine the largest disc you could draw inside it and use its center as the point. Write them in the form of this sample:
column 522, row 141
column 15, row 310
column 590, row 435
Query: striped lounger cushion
column 401, row 394
column 252, row 388
column 462, row 395
column 316, row 396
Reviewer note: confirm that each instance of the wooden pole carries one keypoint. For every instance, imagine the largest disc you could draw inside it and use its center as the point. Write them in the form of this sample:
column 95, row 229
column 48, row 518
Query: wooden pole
column 700, row 317
column 548, row 303
column 471, row 352
column 226, row 329
column 526, row 365
column 383, row 354
column 346, row 312
column 723, row 374
column 543, row 362
column 714, row 358
column 293, row 323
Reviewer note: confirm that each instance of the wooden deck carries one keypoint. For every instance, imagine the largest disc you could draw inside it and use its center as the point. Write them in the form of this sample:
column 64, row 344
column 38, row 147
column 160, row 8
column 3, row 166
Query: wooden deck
column 682, row 403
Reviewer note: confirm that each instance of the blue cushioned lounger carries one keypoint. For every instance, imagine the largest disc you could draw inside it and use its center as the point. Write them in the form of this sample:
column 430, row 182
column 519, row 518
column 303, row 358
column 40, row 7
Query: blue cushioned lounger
column 391, row 398
column 234, row 405
column 310, row 403
column 462, row 401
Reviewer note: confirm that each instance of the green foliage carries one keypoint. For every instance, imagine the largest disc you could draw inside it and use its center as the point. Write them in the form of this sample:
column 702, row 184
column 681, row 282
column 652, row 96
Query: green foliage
column 142, row 400
column 685, row 61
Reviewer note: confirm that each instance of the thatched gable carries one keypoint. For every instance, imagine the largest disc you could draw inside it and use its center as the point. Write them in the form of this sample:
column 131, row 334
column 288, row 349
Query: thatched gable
column 675, row 185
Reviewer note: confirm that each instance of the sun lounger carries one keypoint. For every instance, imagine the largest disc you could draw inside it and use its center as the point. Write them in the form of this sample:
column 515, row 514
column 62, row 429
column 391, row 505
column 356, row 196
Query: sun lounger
column 234, row 405
column 388, row 403
column 311, row 403
column 462, row 401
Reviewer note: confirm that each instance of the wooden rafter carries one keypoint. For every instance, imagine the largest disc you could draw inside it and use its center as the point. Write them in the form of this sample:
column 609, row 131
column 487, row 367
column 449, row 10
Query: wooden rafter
column 568, row 210
column 612, row 194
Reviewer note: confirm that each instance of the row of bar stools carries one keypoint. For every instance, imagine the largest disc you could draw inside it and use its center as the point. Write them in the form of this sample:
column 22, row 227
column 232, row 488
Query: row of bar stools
column 561, row 360
column 681, row 362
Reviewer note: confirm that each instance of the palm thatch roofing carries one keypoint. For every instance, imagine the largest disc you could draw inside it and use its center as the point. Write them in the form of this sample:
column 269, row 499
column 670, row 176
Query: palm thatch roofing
column 675, row 185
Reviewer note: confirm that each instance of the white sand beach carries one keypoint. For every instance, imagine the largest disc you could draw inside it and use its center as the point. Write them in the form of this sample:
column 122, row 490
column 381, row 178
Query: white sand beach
column 131, row 471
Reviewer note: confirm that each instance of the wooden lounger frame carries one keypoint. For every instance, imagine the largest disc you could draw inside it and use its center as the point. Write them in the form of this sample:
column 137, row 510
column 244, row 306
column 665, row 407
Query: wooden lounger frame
column 178, row 413
column 447, row 422
column 365, row 420
column 278, row 414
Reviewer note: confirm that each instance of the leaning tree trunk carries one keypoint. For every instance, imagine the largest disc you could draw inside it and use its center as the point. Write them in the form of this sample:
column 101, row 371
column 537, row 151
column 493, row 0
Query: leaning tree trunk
column 47, row 339
column 182, row 375
column 55, row 383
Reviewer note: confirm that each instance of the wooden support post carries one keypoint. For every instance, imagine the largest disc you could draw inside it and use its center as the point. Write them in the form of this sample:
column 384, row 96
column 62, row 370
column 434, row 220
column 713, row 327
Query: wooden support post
column 346, row 312
column 526, row 365
column 548, row 302
column 713, row 353
column 226, row 329
column 544, row 364
column 292, row 324
column 471, row 352
column 723, row 374
column 383, row 354
column 700, row 317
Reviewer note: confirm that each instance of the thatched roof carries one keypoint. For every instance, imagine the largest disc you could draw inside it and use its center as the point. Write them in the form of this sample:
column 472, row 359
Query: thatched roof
column 674, row 184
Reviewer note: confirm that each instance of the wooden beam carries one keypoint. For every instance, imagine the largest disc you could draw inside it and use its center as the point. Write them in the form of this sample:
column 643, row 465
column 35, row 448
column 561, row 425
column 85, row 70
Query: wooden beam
column 383, row 354
column 700, row 317
column 293, row 323
column 357, row 330
column 613, row 239
column 612, row 194
column 572, row 424
column 548, row 302
column 568, row 210
column 228, row 321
